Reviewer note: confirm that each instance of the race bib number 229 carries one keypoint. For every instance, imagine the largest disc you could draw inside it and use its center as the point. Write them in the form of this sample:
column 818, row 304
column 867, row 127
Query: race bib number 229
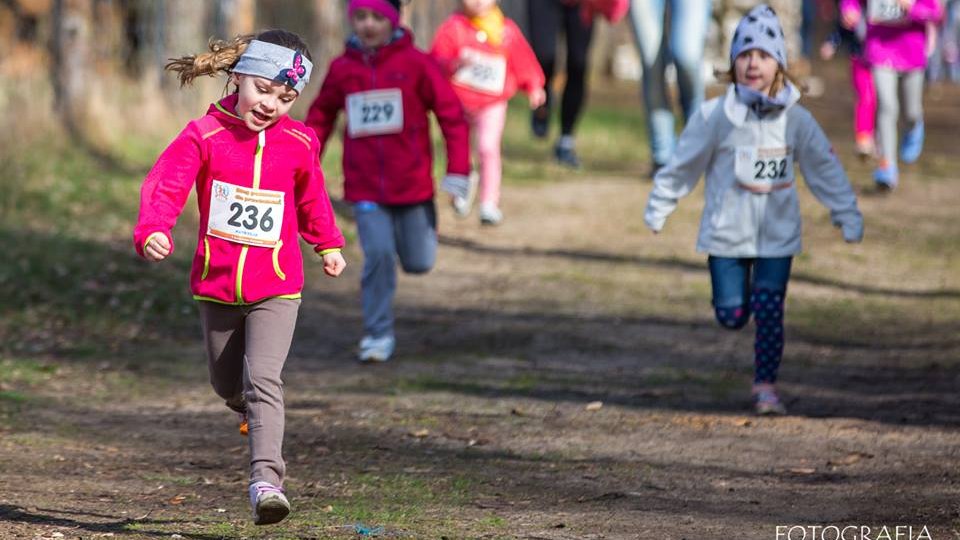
column 375, row 112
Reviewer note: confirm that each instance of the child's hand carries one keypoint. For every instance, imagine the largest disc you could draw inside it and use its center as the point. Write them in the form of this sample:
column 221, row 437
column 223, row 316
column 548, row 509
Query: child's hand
column 457, row 185
column 850, row 18
column 907, row 5
column 537, row 98
column 827, row 50
column 334, row 263
column 157, row 248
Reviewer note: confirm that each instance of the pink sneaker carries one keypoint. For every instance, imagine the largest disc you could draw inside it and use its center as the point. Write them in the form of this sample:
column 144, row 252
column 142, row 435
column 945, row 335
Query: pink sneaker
column 766, row 402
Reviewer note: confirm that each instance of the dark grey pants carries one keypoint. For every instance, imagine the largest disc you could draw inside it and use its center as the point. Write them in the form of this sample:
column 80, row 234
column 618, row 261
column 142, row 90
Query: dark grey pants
column 246, row 349
column 386, row 234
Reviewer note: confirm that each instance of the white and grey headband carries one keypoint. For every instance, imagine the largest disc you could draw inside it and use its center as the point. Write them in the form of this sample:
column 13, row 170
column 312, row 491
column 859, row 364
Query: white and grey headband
column 276, row 63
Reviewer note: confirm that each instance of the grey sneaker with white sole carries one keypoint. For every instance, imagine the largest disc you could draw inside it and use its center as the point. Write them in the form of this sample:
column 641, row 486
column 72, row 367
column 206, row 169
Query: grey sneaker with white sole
column 269, row 503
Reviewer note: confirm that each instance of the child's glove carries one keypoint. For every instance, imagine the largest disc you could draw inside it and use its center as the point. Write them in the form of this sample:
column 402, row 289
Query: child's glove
column 457, row 185
column 852, row 231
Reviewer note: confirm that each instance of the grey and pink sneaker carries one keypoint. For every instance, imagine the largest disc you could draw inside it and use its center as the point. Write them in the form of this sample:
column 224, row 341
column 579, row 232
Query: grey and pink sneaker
column 766, row 402
column 268, row 503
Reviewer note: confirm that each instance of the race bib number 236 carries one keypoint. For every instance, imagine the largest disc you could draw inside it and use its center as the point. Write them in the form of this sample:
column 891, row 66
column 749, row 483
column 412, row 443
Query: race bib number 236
column 245, row 215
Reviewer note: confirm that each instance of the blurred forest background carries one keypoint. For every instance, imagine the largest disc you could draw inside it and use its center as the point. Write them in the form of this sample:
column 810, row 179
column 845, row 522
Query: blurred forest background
column 95, row 67
column 85, row 108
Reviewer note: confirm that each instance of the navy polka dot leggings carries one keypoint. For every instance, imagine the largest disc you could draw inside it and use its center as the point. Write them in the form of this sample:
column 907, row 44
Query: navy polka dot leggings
column 742, row 287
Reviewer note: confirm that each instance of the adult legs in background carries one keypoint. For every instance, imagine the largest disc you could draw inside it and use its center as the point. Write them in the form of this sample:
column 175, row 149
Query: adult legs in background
column 578, row 36
column 808, row 17
column 543, row 40
column 689, row 20
column 646, row 18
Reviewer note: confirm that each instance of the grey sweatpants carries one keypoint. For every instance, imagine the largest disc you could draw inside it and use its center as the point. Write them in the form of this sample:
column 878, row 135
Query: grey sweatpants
column 386, row 234
column 246, row 349
column 887, row 81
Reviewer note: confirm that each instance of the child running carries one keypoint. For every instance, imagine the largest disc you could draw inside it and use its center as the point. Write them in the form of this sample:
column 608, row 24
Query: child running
column 487, row 59
column 258, row 181
column 747, row 142
column 896, row 48
column 387, row 86
column 861, row 79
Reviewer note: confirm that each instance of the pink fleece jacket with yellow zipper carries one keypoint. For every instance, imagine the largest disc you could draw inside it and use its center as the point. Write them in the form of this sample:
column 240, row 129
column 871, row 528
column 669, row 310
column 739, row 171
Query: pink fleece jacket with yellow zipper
column 264, row 188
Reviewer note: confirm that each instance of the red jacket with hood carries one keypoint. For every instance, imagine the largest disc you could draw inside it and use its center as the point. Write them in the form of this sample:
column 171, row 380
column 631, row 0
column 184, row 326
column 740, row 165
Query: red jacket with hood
column 523, row 70
column 284, row 158
column 395, row 168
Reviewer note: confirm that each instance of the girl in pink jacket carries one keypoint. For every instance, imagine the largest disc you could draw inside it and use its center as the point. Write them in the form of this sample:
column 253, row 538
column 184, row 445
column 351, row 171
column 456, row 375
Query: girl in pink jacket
column 259, row 184
column 895, row 45
column 487, row 59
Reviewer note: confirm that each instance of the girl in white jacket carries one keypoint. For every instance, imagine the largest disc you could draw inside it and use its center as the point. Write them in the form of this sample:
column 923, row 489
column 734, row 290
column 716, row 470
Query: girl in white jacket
column 747, row 142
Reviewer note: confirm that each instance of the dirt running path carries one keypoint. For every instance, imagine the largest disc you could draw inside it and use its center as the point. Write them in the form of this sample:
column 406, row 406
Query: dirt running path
column 483, row 425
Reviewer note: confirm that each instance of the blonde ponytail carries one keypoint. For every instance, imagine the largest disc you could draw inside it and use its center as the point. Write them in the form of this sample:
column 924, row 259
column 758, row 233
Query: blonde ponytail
column 223, row 56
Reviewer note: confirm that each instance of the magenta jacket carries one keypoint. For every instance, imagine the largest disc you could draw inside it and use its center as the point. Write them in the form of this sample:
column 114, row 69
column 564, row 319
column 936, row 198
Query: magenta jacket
column 284, row 158
column 902, row 45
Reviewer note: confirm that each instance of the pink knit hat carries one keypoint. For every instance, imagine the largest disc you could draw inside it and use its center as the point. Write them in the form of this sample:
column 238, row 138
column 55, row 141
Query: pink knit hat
column 388, row 8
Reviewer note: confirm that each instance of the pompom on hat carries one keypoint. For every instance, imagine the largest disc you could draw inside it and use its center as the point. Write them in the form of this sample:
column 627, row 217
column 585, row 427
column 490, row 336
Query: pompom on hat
column 760, row 29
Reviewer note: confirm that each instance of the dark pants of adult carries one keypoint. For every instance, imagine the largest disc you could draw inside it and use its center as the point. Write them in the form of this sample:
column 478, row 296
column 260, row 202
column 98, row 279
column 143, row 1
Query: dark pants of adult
column 547, row 18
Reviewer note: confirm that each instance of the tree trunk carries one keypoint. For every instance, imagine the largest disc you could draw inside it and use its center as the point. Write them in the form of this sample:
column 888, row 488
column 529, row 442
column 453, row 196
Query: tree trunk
column 331, row 25
column 234, row 17
column 70, row 64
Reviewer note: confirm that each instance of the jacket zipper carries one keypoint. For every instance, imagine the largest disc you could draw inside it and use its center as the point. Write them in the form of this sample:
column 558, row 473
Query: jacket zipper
column 257, row 164
column 380, row 153
column 761, row 208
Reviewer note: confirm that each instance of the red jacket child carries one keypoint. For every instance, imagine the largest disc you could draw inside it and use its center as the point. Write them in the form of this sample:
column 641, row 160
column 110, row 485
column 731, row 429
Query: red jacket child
column 264, row 186
column 483, row 73
column 387, row 151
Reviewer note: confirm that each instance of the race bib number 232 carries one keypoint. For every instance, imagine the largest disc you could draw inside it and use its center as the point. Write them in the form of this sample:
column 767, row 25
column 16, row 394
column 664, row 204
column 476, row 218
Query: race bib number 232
column 762, row 170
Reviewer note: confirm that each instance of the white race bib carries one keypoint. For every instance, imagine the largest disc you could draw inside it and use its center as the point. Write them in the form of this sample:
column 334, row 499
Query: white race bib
column 245, row 215
column 375, row 112
column 482, row 71
column 762, row 170
column 885, row 12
